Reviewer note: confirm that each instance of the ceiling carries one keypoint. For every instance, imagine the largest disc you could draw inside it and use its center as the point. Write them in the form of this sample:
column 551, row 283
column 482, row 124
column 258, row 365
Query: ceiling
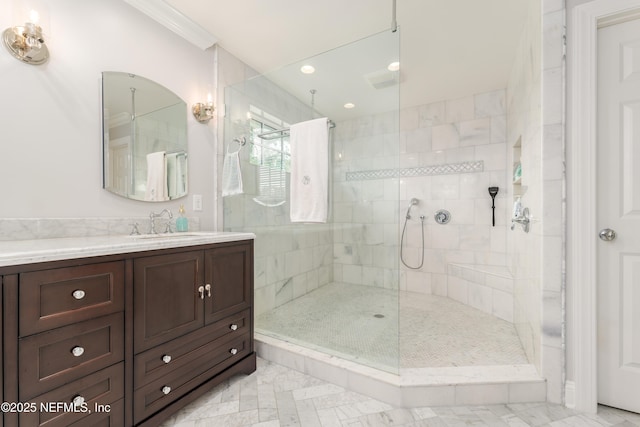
column 448, row 48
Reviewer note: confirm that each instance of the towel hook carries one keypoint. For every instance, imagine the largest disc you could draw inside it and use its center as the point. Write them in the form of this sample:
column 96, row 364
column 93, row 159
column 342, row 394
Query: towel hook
column 242, row 141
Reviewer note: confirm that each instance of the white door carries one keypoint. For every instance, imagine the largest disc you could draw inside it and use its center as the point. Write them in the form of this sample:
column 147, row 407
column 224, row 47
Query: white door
column 618, row 200
column 119, row 175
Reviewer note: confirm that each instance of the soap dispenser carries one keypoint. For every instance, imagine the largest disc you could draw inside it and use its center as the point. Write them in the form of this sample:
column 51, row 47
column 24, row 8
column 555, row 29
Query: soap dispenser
column 181, row 221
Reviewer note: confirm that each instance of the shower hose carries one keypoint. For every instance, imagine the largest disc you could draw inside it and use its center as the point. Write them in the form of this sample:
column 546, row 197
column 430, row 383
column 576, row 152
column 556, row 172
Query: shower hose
column 404, row 229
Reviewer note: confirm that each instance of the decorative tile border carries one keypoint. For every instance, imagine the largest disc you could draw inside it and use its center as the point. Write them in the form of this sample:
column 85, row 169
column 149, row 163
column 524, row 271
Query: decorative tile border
column 445, row 169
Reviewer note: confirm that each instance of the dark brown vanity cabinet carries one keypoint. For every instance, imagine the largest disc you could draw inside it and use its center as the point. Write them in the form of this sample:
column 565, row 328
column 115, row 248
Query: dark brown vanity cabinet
column 192, row 320
column 141, row 334
column 64, row 340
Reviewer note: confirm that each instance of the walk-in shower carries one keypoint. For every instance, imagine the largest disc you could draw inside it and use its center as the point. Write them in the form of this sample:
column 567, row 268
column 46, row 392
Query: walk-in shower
column 407, row 273
column 353, row 257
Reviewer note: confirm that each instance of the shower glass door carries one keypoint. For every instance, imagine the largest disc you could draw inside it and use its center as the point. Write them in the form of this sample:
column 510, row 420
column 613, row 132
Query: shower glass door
column 332, row 287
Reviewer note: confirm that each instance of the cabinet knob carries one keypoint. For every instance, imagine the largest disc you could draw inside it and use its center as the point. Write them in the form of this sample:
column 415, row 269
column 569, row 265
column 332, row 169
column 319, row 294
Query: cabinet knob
column 77, row 351
column 233, row 351
column 207, row 287
column 201, row 291
column 166, row 358
column 78, row 401
column 233, row 327
column 166, row 390
column 78, row 294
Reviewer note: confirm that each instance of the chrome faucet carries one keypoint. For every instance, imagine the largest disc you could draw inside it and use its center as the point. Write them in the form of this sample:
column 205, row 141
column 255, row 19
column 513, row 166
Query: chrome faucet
column 152, row 218
column 523, row 218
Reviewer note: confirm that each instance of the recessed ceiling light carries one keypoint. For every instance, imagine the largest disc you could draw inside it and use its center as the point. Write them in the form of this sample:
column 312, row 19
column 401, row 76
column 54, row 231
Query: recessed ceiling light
column 307, row 69
column 394, row 66
column 349, row 105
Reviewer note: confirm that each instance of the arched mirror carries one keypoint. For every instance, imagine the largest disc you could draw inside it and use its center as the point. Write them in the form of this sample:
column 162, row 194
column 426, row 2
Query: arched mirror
column 144, row 139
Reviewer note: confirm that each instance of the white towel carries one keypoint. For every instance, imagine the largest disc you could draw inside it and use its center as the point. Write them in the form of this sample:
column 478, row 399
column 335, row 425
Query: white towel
column 309, row 171
column 156, row 177
column 231, row 174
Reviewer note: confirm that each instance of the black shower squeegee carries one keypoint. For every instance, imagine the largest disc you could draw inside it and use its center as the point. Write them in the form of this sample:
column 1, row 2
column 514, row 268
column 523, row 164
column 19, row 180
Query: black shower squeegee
column 493, row 191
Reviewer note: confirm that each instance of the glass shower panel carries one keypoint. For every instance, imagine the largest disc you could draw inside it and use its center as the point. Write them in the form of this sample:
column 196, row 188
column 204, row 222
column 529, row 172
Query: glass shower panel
column 332, row 287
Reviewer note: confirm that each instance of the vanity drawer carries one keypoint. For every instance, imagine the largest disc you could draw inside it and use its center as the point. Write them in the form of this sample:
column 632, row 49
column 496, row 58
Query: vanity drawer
column 58, row 297
column 160, row 360
column 102, row 392
column 218, row 356
column 53, row 358
column 113, row 418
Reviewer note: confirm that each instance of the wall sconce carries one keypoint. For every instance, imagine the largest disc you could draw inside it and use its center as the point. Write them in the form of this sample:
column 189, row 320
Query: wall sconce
column 203, row 112
column 26, row 42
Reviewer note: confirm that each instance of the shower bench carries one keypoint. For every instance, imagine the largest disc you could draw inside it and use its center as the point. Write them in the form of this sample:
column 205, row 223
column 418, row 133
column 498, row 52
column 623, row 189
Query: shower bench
column 488, row 288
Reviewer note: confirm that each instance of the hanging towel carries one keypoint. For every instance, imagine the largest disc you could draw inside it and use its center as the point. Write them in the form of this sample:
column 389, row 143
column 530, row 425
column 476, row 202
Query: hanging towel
column 309, row 171
column 231, row 174
column 156, row 177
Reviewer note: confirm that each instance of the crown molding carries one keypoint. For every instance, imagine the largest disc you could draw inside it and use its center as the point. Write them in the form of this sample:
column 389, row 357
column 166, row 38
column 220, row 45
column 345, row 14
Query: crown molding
column 167, row 15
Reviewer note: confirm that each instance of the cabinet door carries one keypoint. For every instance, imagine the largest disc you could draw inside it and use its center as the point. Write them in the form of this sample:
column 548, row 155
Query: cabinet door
column 229, row 271
column 167, row 303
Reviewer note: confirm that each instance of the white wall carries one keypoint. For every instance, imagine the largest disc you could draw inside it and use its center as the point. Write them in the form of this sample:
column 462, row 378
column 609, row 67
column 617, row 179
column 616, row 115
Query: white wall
column 50, row 155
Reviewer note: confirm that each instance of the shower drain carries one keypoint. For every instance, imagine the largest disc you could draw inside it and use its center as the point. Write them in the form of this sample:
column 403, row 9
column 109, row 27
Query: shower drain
column 379, row 316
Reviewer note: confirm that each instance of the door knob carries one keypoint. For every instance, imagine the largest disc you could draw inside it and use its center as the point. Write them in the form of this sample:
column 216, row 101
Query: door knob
column 607, row 234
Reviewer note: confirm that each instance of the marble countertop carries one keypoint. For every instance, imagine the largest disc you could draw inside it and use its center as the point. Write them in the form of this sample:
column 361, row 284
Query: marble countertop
column 19, row 252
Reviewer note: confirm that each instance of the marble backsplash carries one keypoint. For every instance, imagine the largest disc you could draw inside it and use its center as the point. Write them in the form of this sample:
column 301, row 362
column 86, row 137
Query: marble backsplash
column 51, row 228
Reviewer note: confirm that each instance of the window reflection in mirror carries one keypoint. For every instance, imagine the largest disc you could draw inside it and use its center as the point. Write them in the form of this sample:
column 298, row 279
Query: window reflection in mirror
column 144, row 138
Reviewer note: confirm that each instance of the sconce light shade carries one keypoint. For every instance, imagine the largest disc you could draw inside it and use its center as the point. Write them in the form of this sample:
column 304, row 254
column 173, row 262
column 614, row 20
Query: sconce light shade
column 202, row 112
column 26, row 43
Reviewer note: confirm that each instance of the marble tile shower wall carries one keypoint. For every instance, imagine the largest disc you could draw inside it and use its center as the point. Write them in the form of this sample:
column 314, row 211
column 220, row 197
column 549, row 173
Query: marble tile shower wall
column 534, row 100
column 369, row 214
column 290, row 260
column 365, row 212
column 553, row 179
column 524, row 102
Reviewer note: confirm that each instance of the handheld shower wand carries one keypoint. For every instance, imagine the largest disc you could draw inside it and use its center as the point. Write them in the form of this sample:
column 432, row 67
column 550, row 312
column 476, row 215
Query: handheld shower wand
column 413, row 202
column 493, row 191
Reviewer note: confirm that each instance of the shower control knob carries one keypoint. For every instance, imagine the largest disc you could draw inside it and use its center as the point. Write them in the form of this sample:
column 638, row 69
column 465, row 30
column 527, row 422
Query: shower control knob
column 607, row 234
column 442, row 216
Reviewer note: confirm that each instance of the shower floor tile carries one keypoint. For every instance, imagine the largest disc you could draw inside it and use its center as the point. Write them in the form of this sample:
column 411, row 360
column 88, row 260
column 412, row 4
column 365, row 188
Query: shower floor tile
column 360, row 323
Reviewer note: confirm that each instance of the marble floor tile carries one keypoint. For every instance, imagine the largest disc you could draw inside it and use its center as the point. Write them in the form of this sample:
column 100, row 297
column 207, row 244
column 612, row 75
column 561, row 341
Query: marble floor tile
column 362, row 323
column 275, row 396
